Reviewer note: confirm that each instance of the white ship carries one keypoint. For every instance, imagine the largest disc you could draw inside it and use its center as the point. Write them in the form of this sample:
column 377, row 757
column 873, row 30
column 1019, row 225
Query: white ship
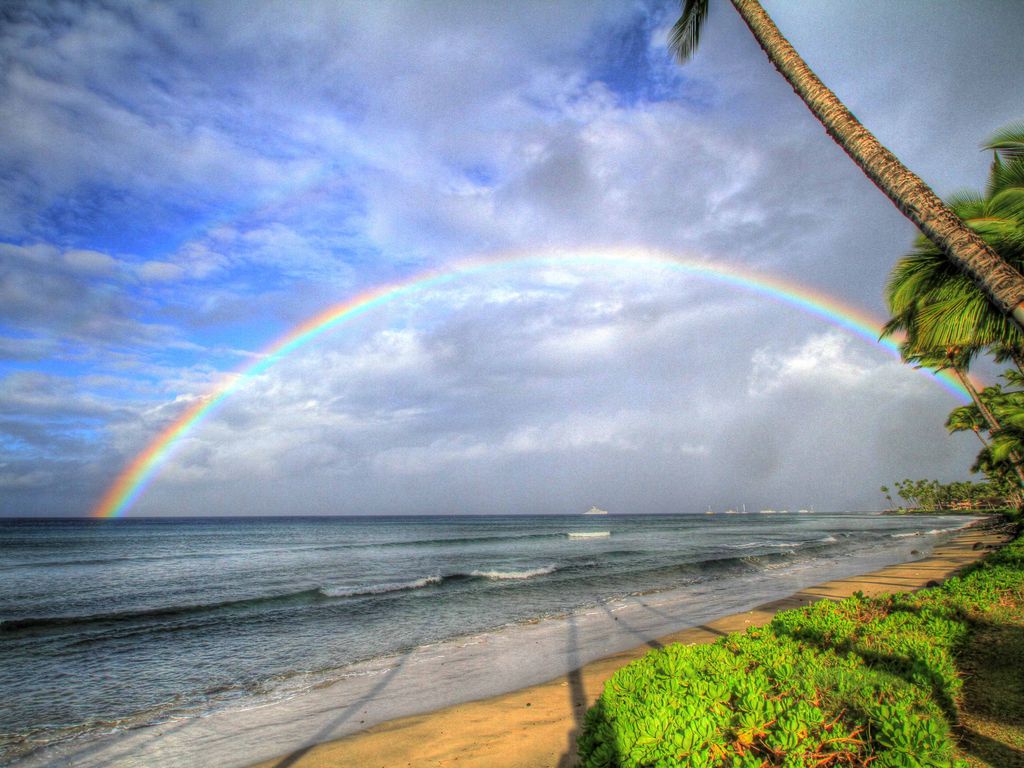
column 596, row 511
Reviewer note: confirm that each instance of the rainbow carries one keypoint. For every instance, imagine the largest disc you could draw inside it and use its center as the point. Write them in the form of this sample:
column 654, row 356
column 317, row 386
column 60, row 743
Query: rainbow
column 132, row 481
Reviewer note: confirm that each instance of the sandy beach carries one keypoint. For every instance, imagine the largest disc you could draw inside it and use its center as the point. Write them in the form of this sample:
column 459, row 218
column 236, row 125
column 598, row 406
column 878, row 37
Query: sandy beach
column 536, row 727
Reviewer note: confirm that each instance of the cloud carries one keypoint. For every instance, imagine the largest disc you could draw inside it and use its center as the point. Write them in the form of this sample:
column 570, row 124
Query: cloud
column 823, row 362
column 826, row 403
column 73, row 299
column 29, row 479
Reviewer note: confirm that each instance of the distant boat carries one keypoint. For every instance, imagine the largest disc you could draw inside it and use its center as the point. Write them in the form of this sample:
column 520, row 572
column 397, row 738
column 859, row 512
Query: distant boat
column 596, row 511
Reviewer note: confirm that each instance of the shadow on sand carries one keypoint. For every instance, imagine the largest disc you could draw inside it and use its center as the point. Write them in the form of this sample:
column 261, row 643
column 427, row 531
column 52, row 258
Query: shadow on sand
column 343, row 716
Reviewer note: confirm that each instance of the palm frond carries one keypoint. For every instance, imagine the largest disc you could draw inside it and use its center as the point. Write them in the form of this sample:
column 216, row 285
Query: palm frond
column 685, row 34
column 965, row 201
column 916, row 274
column 1002, row 446
column 894, row 326
column 1002, row 353
column 964, row 318
column 1007, row 179
column 1008, row 142
column 966, row 417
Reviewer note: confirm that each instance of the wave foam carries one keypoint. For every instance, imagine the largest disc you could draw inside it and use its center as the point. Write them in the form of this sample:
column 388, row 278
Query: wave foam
column 382, row 589
column 527, row 574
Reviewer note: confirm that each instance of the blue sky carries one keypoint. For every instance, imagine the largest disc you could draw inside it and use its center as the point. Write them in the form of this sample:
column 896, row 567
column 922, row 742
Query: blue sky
column 184, row 182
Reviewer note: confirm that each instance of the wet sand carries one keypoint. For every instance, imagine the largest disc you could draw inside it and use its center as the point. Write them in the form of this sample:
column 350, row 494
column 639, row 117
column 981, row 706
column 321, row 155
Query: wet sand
column 536, row 727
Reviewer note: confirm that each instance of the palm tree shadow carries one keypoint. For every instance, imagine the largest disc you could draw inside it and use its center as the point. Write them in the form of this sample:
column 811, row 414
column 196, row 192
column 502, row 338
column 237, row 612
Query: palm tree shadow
column 346, row 714
column 577, row 692
column 577, row 689
column 703, row 627
column 993, row 693
column 990, row 750
column 907, row 668
column 652, row 642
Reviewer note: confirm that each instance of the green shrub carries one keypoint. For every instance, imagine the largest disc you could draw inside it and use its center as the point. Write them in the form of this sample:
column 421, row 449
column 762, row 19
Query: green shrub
column 760, row 699
column 851, row 683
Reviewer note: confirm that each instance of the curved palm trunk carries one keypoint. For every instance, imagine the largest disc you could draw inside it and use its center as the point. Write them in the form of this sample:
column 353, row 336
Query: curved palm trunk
column 986, row 413
column 1018, row 360
column 1003, row 284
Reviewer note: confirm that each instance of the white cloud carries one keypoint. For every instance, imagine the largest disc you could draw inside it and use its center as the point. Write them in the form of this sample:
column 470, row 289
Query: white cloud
column 824, row 360
column 90, row 262
column 160, row 272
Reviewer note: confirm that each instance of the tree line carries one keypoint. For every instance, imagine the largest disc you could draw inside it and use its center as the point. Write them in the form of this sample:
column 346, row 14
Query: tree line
column 933, row 496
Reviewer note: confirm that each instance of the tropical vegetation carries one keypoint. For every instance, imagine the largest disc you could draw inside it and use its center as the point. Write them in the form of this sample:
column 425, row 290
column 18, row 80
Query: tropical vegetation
column 966, row 251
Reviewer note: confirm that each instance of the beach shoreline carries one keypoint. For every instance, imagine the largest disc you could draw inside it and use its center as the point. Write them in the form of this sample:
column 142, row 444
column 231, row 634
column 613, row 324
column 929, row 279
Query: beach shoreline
column 536, row 726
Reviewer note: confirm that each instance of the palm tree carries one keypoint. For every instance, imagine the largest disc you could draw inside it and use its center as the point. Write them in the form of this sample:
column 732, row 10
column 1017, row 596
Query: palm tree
column 1001, row 412
column 967, row 417
column 1002, row 283
column 888, row 496
column 999, row 478
column 937, row 306
column 1007, row 441
column 958, row 361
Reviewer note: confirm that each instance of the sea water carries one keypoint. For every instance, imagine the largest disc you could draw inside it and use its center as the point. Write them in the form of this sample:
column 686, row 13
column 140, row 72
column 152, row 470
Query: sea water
column 223, row 641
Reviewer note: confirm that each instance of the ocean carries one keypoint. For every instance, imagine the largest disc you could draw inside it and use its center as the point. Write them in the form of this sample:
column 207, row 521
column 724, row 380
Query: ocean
column 178, row 642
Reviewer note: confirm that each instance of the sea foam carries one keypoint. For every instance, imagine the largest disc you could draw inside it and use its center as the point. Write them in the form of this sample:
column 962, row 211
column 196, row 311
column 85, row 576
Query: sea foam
column 382, row 589
column 527, row 574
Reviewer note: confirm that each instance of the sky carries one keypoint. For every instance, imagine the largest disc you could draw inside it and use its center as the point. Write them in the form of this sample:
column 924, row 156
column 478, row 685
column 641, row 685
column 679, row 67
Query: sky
column 185, row 183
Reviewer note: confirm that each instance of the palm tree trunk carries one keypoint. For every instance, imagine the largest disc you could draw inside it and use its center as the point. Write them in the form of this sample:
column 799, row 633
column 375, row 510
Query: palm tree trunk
column 1018, row 360
column 986, row 413
column 1003, row 284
